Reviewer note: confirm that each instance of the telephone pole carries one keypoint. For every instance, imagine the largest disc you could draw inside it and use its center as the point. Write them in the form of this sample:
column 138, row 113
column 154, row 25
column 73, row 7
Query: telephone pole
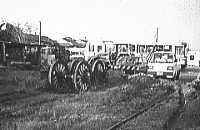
column 40, row 33
column 157, row 35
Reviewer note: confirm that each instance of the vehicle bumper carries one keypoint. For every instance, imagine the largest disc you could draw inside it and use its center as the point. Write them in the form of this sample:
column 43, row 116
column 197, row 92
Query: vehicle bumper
column 161, row 74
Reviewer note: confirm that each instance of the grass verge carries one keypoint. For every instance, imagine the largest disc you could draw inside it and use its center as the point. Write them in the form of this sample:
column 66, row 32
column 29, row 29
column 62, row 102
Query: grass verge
column 90, row 110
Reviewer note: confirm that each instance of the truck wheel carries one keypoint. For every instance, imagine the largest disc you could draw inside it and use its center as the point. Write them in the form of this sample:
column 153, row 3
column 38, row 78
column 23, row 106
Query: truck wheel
column 178, row 75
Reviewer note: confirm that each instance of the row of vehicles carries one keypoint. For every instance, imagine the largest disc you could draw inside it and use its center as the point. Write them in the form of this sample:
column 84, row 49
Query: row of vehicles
column 163, row 60
column 77, row 68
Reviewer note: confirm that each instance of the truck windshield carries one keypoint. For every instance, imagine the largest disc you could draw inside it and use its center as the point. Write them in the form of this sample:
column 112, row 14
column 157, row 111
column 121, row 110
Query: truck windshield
column 163, row 58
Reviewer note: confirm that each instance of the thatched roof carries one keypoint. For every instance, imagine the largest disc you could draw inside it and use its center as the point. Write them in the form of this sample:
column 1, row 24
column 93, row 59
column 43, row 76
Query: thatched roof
column 11, row 33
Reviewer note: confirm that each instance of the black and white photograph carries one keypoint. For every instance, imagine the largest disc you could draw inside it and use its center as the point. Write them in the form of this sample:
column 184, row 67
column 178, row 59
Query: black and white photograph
column 99, row 64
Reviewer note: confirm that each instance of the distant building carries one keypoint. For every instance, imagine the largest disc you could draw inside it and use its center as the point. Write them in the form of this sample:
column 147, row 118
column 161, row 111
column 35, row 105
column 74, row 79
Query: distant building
column 193, row 58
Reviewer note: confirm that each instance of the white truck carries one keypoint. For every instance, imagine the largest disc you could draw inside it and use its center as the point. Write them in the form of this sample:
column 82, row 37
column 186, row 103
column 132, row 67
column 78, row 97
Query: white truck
column 164, row 64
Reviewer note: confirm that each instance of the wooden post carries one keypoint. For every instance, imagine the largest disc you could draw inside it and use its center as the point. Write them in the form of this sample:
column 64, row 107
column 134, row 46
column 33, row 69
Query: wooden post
column 157, row 35
column 40, row 34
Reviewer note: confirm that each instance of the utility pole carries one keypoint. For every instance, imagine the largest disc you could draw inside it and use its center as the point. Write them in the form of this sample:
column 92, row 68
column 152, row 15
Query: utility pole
column 40, row 33
column 157, row 35
column 149, row 56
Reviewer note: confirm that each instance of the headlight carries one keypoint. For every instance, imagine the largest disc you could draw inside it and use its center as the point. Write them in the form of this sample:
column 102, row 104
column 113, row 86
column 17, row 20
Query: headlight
column 170, row 68
column 150, row 67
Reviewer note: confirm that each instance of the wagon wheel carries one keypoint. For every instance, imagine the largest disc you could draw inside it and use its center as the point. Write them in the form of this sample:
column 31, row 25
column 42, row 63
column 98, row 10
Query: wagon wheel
column 72, row 65
column 106, row 65
column 92, row 60
column 98, row 72
column 59, row 76
column 82, row 76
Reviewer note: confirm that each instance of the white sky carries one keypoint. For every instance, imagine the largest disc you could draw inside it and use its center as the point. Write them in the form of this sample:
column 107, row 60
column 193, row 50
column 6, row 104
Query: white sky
column 121, row 20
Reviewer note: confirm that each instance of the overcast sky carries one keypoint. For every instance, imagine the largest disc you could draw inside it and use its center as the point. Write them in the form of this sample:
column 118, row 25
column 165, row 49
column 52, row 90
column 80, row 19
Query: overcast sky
column 120, row 20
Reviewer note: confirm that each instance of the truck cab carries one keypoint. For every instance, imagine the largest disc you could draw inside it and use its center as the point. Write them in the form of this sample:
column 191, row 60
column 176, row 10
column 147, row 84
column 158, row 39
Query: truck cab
column 164, row 64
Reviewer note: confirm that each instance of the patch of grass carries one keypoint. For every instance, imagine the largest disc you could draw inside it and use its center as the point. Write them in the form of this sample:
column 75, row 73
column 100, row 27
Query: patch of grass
column 93, row 109
column 25, row 80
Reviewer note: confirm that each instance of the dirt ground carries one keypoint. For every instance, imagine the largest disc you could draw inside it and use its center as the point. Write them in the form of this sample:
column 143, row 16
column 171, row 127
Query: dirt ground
column 27, row 103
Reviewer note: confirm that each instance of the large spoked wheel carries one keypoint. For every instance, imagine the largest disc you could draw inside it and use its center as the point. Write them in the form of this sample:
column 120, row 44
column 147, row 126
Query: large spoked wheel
column 59, row 76
column 72, row 65
column 82, row 77
column 98, row 73
column 92, row 60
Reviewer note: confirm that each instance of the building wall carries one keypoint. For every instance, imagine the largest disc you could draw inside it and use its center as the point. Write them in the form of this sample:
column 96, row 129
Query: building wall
column 193, row 58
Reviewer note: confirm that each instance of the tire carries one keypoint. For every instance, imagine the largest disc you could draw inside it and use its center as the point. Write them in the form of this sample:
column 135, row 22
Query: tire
column 177, row 75
column 98, row 73
column 82, row 77
column 174, row 77
column 59, row 77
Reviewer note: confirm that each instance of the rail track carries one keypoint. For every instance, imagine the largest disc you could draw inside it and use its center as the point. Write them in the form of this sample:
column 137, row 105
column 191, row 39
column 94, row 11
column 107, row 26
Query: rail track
column 153, row 104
